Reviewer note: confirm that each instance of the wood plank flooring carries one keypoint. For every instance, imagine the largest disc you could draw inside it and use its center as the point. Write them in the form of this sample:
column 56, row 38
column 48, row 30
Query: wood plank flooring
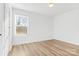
column 45, row 48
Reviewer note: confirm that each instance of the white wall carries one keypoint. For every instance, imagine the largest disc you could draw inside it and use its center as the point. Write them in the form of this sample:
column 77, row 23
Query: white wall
column 40, row 27
column 62, row 27
column 2, row 45
column 1, row 16
column 66, row 26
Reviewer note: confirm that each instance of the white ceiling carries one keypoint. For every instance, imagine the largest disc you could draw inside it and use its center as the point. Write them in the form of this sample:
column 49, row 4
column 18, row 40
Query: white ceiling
column 43, row 8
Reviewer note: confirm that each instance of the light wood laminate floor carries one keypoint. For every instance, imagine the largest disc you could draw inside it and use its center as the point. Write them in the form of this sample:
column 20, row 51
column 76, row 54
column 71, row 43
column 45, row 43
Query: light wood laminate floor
column 45, row 48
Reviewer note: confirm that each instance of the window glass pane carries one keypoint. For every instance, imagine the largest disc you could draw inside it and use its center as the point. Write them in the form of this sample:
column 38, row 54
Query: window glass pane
column 21, row 24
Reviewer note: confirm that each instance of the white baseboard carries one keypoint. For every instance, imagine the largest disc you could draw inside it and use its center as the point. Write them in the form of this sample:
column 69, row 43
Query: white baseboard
column 31, row 41
column 69, row 39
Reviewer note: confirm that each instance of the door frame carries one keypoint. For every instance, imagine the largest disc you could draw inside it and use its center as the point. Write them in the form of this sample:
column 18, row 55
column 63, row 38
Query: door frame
column 7, row 28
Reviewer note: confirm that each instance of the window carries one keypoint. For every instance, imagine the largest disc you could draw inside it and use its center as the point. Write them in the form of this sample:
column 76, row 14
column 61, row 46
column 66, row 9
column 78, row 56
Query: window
column 21, row 24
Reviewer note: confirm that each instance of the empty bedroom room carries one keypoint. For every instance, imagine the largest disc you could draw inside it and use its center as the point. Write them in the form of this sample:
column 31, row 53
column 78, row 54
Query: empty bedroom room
column 39, row 29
